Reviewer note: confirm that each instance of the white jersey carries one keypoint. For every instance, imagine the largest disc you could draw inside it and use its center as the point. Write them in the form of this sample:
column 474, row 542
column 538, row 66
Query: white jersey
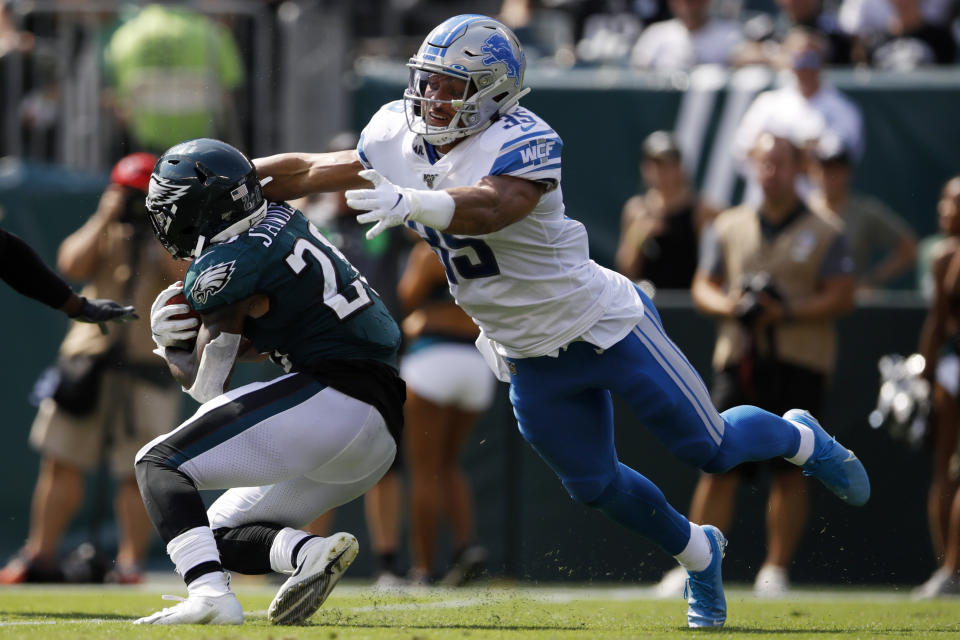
column 531, row 286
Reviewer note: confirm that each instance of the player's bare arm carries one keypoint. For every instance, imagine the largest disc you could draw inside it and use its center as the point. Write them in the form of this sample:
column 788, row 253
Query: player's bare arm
column 492, row 204
column 834, row 298
column 709, row 296
column 295, row 175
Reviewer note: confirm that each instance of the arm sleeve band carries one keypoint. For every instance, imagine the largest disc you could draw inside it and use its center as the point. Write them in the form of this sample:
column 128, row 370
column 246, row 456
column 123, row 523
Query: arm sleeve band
column 26, row 272
column 432, row 208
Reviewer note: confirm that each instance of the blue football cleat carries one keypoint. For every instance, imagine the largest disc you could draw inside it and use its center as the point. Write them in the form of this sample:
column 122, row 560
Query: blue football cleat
column 704, row 590
column 831, row 463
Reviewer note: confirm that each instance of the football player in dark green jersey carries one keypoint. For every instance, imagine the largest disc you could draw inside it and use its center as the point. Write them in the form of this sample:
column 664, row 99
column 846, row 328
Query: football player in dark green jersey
column 263, row 281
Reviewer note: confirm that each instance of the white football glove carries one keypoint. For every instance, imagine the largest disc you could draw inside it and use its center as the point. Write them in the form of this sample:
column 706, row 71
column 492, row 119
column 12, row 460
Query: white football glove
column 168, row 332
column 389, row 205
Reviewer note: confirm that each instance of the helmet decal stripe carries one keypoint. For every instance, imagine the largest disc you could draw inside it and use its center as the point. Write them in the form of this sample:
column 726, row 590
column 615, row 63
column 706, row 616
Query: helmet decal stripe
column 456, row 29
column 163, row 191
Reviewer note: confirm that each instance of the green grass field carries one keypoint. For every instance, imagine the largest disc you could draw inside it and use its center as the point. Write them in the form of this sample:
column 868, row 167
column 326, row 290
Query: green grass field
column 356, row 611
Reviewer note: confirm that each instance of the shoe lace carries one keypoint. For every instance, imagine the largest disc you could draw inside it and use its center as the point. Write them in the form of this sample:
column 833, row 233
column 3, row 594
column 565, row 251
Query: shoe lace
column 702, row 590
column 813, row 466
column 178, row 599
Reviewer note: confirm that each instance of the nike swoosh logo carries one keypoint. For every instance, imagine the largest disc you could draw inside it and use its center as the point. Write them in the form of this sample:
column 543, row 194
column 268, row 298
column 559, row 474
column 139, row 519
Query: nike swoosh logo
column 399, row 198
column 850, row 457
column 333, row 563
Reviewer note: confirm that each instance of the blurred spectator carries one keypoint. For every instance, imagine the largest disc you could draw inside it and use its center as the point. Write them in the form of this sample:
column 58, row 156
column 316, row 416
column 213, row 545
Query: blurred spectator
column 546, row 30
column 927, row 248
column 775, row 278
column 12, row 39
column 908, row 40
column 765, row 33
column 803, row 110
column 860, row 18
column 660, row 229
column 380, row 260
column 691, row 38
column 174, row 71
column 608, row 29
column 111, row 395
column 940, row 347
column 448, row 387
column 872, row 228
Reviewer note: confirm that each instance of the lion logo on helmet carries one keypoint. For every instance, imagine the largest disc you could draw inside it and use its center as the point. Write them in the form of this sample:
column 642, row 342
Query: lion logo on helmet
column 498, row 49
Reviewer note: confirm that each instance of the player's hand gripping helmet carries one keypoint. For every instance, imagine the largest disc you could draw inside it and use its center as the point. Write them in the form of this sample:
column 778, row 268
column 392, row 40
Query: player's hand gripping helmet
column 479, row 50
column 203, row 191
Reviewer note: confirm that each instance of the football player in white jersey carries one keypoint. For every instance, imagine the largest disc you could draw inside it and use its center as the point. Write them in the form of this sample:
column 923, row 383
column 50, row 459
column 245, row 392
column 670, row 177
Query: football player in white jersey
column 478, row 177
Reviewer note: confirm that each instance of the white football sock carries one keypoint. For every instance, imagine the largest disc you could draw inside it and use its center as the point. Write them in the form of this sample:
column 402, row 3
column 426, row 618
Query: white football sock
column 806, row 444
column 195, row 547
column 696, row 556
column 213, row 584
column 281, row 551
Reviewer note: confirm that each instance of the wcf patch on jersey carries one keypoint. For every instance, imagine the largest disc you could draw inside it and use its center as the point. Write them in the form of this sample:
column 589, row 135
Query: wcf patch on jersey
column 212, row 280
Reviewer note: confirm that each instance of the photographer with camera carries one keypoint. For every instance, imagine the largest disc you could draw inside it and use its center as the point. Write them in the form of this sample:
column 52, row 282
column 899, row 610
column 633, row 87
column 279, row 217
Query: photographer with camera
column 776, row 278
column 107, row 394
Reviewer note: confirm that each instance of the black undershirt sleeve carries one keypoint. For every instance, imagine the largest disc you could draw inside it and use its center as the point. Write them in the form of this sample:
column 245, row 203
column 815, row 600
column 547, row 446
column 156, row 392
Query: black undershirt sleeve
column 28, row 274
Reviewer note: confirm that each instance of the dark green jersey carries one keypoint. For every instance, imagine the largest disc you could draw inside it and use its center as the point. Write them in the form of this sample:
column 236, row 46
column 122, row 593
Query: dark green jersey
column 321, row 308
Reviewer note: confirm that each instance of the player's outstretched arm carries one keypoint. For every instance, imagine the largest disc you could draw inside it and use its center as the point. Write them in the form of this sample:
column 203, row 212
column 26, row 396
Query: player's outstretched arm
column 99, row 311
column 492, row 204
column 294, row 175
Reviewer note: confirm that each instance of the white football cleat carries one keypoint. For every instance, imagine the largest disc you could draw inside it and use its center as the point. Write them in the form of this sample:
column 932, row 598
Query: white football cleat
column 223, row 609
column 771, row 582
column 316, row 576
column 942, row 583
column 671, row 585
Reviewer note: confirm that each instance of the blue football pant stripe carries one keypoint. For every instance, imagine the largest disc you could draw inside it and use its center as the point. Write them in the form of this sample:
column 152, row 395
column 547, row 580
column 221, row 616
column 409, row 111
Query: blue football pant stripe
column 564, row 410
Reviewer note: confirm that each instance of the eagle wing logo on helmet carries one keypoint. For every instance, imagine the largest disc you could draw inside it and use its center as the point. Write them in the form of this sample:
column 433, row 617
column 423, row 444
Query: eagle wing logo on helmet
column 498, row 49
column 163, row 191
column 212, row 280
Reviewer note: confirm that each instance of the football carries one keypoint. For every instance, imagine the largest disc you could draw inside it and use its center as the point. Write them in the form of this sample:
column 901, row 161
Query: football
column 180, row 298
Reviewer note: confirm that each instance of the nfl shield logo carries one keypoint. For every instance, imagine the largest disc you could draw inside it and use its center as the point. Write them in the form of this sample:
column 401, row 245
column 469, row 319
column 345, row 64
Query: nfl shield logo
column 429, row 178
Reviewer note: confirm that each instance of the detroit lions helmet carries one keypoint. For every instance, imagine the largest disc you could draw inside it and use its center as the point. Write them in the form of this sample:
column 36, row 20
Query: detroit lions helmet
column 479, row 50
column 202, row 191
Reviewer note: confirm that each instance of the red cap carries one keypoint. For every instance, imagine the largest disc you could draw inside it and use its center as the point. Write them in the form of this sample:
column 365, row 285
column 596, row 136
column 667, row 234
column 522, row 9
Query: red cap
column 134, row 171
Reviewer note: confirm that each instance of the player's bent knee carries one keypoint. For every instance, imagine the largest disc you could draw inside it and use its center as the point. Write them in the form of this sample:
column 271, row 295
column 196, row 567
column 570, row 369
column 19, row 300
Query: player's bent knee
column 697, row 454
column 721, row 462
column 588, row 490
